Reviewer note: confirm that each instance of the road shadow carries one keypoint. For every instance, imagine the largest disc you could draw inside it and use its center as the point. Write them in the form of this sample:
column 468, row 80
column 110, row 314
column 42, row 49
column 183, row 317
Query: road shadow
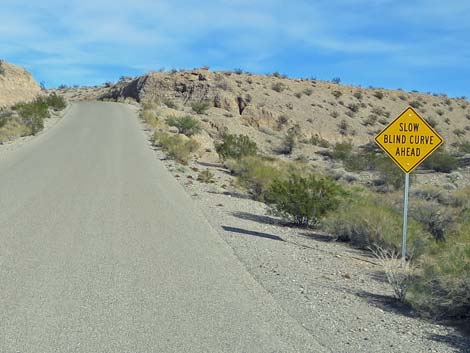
column 251, row 232
column 256, row 218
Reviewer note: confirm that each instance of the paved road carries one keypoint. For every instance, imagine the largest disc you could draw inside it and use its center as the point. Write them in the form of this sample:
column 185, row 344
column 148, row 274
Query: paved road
column 102, row 251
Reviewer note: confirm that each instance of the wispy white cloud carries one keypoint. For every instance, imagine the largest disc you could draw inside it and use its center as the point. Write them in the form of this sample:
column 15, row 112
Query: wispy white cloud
column 56, row 36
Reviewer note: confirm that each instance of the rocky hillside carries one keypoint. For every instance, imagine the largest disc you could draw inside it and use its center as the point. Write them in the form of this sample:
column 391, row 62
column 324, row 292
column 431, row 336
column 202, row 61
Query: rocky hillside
column 16, row 84
column 267, row 107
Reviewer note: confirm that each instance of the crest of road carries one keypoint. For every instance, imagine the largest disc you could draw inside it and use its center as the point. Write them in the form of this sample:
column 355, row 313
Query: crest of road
column 101, row 250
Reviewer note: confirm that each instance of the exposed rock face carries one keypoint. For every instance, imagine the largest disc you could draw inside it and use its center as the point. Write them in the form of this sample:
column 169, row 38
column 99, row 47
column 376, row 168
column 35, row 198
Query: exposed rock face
column 16, row 84
column 156, row 86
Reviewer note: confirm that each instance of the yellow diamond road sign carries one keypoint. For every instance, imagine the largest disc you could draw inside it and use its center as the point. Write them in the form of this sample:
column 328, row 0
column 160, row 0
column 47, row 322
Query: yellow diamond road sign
column 409, row 140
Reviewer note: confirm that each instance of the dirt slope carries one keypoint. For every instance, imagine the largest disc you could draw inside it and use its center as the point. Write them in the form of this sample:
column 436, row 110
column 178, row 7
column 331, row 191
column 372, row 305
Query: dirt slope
column 16, row 84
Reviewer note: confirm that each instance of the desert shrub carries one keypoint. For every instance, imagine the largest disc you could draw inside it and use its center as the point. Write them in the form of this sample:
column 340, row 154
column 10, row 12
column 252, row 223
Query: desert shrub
column 442, row 288
column 391, row 177
column 187, row 125
column 337, row 94
column 317, row 140
column 170, row 104
column 353, row 107
column 365, row 220
column 176, row 147
column 33, row 114
column 441, row 161
column 298, row 94
column 459, row 132
column 308, row 91
column 4, row 117
column 303, row 200
column 377, row 111
column 464, row 147
column 358, row 95
column 200, row 107
column 343, row 127
column 378, row 94
column 236, row 147
column 278, row 87
column 415, row 104
column 206, row 176
column 55, row 101
column 399, row 274
column 149, row 117
column 255, row 173
column 433, row 122
column 336, row 80
column 288, row 143
column 370, row 120
column 342, row 150
column 438, row 220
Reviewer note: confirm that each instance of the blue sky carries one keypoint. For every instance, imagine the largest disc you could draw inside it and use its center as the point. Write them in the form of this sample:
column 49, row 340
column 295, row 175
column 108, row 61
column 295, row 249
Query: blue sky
column 414, row 44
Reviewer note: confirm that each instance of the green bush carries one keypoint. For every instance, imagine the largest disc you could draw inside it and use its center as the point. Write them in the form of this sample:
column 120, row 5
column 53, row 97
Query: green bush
column 236, row 147
column 175, row 146
column 187, row 125
column 441, row 161
column 365, row 221
column 278, row 87
column 303, row 200
column 33, row 114
column 378, row 94
column 150, row 118
column 256, row 174
column 200, row 107
column 55, row 102
column 206, row 176
column 288, row 143
column 442, row 288
column 4, row 117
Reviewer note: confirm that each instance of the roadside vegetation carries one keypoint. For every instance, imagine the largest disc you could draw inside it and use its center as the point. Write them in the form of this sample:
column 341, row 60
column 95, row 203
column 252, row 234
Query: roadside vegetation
column 27, row 118
column 277, row 169
column 436, row 277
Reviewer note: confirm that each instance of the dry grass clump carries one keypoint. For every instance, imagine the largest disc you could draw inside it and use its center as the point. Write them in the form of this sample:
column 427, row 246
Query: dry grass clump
column 150, row 118
column 365, row 220
column 398, row 273
column 442, row 285
column 177, row 147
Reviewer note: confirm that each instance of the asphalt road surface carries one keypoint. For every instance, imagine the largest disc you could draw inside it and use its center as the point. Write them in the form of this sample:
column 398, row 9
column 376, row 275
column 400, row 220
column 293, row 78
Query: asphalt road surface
column 101, row 250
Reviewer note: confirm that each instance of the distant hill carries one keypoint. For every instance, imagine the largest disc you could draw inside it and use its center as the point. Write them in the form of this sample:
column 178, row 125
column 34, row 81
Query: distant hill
column 16, row 84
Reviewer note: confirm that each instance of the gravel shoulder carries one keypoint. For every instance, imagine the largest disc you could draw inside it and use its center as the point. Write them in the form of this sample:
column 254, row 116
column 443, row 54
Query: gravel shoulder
column 336, row 292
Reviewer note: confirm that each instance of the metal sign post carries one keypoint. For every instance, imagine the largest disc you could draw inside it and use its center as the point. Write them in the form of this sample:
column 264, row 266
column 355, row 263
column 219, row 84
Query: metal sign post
column 405, row 219
column 408, row 140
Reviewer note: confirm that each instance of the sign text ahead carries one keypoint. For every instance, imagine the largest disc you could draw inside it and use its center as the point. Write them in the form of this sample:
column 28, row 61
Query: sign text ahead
column 409, row 140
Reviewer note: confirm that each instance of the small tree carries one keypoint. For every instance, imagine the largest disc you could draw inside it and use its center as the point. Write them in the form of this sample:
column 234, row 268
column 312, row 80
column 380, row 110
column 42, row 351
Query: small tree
column 303, row 200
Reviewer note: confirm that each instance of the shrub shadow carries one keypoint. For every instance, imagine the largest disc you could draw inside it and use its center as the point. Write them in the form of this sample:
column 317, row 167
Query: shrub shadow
column 461, row 343
column 251, row 232
column 387, row 303
column 256, row 218
column 318, row 237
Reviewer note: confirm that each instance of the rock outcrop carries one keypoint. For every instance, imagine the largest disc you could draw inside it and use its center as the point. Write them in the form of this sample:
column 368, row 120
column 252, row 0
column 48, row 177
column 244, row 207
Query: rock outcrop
column 16, row 84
